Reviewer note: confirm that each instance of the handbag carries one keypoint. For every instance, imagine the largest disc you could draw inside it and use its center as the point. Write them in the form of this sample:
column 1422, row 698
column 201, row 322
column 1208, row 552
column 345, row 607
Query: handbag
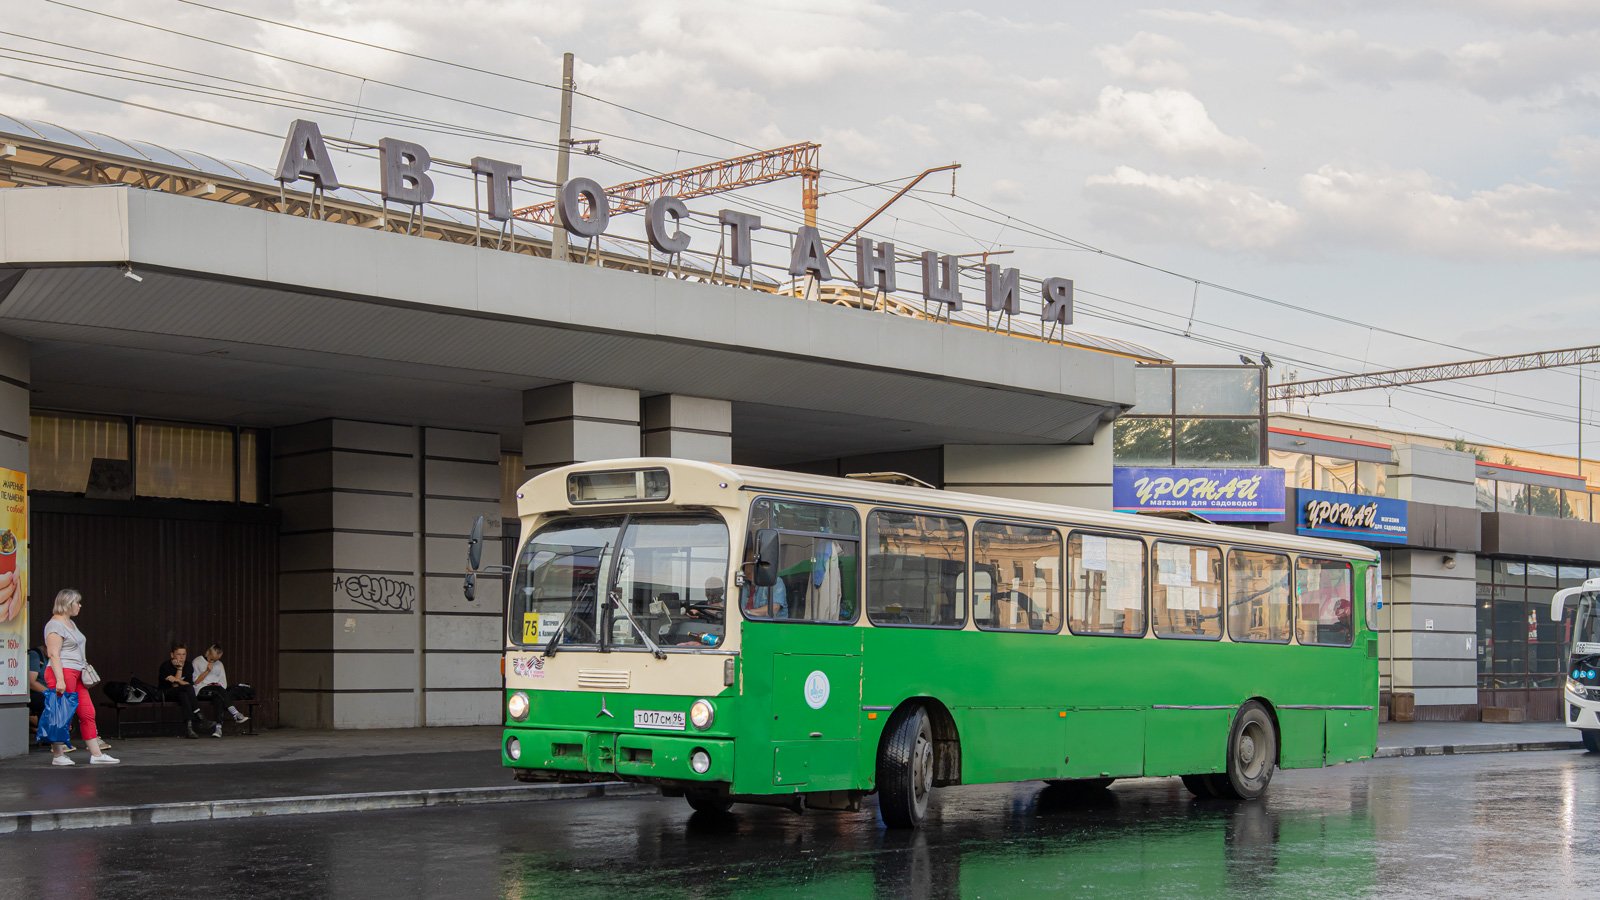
column 88, row 677
column 55, row 723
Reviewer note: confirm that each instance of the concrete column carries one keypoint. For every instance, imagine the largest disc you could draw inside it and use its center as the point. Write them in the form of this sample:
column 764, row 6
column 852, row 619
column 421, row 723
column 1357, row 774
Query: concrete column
column 14, row 410
column 688, row 427
column 1439, row 663
column 462, row 641
column 351, row 541
column 1427, row 639
column 568, row 423
column 1071, row 475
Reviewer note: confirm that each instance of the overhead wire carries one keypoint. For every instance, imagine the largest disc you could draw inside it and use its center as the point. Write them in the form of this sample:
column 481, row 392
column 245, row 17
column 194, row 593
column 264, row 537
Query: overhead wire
column 1009, row 222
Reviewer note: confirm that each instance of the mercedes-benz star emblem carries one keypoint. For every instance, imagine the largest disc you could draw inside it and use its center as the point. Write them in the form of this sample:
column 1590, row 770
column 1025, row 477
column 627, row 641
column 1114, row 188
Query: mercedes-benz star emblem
column 603, row 711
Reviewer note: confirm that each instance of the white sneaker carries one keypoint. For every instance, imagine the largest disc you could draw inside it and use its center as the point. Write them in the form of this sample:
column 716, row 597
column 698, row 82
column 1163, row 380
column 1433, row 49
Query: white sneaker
column 61, row 761
column 104, row 759
column 217, row 732
column 241, row 718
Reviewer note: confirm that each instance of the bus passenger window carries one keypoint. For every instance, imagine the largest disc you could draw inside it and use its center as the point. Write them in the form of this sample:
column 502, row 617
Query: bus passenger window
column 1016, row 577
column 1186, row 599
column 818, row 549
column 1258, row 596
column 916, row 568
column 1106, row 585
column 1326, row 601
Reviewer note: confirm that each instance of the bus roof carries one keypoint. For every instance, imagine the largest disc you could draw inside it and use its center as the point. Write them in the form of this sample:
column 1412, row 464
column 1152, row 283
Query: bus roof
column 750, row 478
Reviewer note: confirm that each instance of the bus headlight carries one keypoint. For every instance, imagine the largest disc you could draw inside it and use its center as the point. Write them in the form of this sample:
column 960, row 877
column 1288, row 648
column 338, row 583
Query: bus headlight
column 517, row 706
column 1573, row 687
column 700, row 761
column 514, row 748
column 701, row 715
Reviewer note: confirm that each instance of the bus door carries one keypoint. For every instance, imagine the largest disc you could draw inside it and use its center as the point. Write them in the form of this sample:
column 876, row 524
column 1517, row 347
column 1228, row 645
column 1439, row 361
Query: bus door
column 816, row 665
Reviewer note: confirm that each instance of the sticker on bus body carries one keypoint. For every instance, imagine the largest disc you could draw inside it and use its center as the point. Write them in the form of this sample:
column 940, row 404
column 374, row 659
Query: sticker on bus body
column 659, row 720
column 528, row 666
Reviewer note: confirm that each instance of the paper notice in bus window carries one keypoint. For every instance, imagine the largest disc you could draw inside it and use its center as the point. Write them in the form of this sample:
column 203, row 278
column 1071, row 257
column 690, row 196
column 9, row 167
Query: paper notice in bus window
column 549, row 625
column 1094, row 553
column 1177, row 575
column 1202, row 565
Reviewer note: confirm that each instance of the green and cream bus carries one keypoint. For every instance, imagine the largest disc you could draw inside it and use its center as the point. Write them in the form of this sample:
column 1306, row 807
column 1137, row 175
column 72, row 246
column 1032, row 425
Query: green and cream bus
column 735, row 634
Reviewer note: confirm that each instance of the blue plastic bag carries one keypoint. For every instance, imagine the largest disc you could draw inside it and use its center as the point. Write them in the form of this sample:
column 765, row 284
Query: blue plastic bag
column 55, row 723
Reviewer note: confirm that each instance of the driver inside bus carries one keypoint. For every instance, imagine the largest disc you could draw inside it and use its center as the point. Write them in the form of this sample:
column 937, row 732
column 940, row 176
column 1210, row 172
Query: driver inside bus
column 762, row 602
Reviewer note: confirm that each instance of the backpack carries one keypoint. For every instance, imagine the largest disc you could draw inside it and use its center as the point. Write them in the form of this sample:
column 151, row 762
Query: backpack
column 118, row 692
column 145, row 689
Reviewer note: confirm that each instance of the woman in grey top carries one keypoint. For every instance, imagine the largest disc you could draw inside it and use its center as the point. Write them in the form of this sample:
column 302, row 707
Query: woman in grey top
column 65, row 644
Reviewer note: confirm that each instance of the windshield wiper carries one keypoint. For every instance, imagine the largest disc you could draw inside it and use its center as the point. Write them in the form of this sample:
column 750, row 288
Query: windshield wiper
column 616, row 598
column 566, row 617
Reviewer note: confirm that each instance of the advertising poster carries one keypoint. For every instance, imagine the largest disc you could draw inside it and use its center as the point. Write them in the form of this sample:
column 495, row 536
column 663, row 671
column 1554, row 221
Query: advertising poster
column 13, row 583
column 1221, row 495
column 1346, row 517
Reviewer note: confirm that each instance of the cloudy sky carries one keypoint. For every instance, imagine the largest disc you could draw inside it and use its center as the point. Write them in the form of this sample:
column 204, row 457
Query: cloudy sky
column 1345, row 186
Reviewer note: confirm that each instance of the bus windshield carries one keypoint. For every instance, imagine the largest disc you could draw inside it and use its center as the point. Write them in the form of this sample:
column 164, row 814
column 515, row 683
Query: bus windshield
column 1586, row 627
column 669, row 575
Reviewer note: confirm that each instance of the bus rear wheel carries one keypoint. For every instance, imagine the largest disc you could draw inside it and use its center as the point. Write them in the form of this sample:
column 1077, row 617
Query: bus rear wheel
column 1252, row 754
column 905, row 769
column 1200, row 785
column 1591, row 740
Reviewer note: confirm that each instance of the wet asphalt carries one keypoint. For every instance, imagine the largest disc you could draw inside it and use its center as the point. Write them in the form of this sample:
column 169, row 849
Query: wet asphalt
column 1496, row 825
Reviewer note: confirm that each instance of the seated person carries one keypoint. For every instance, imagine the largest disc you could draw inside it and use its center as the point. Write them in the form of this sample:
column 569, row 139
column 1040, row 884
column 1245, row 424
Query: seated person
column 37, row 658
column 174, row 687
column 211, row 683
column 763, row 602
column 702, row 622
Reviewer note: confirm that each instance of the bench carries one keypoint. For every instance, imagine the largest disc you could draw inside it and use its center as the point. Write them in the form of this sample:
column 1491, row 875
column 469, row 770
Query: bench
column 158, row 710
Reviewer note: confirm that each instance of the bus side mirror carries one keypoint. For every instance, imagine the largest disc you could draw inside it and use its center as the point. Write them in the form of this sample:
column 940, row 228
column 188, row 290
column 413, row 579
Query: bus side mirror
column 475, row 547
column 766, row 564
column 469, row 588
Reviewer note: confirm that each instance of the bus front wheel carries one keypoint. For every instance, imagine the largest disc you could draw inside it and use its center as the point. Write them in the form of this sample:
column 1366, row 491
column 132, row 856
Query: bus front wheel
column 905, row 769
column 708, row 802
column 1591, row 740
column 1252, row 754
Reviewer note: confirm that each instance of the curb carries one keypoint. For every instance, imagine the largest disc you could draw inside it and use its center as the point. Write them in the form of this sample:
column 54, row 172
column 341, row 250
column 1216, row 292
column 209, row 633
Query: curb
column 201, row 810
column 1463, row 749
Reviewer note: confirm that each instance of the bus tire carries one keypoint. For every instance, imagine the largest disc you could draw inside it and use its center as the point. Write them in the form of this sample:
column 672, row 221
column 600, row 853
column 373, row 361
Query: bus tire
column 906, row 768
column 1252, row 754
column 708, row 802
column 1591, row 740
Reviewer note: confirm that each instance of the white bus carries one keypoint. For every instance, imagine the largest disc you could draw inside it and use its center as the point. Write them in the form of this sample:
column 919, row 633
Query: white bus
column 1582, row 694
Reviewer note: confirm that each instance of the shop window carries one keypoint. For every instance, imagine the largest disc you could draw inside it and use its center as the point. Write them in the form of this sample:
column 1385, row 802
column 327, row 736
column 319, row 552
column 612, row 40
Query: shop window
column 252, row 481
column 1372, row 479
column 193, row 462
column 1511, row 630
column 62, row 447
column 1486, row 495
column 916, row 569
column 1186, row 599
column 1571, row 576
column 1510, row 497
column 1544, row 501
column 1223, row 391
column 1218, row 442
column 1107, row 584
column 1336, row 475
column 1575, row 505
column 1016, row 577
column 1142, row 442
column 1325, row 598
column 1296, row 467
column 1258, row 597
column 1545, row 656
column 1485, row 632
column 1153, row 385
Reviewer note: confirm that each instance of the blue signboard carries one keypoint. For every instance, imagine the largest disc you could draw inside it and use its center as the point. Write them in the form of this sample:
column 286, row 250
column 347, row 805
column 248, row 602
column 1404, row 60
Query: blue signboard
column 1223, row 495
column 1350, row 517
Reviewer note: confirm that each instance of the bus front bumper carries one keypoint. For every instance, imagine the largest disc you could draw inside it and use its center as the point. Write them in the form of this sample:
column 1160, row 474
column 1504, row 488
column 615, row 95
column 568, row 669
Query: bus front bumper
column 633, row 756
column 1580, row 712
